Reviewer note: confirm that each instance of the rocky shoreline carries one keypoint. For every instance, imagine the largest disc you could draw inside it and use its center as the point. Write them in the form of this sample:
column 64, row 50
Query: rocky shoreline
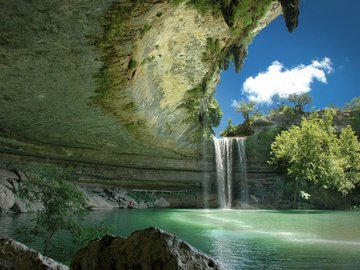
column 97, row 197
column 150, row 248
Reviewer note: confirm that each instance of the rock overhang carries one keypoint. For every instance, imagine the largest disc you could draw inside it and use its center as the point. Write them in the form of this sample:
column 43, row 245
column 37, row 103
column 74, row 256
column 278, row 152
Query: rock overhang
column 95, row 80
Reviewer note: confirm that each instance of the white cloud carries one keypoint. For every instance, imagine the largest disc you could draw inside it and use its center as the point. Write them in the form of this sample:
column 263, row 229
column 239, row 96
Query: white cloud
column 278, row 80
column 235, row 103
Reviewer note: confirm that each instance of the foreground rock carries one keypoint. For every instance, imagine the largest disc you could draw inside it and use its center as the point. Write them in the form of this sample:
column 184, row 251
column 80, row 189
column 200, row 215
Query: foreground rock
column 147, row 249
column 16, row 256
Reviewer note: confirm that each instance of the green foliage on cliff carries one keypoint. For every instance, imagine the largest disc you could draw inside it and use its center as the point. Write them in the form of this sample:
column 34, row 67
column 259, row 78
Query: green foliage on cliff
column 299, row 101
column 354, row 107
column 246, row 109
column 201, row 106
column 214, row 113
column 236, row 130
column 355, row 121
column 241, row 17
column 193, row 102
column 315, row 152
column 261, row 142
column 230, row 130
column 113, row 29
column 214, row 53
column 354, row 104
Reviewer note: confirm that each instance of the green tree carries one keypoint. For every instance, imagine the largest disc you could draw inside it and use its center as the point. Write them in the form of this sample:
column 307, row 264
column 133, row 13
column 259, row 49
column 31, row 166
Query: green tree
column 214, row 113
column 63, row 208
column 246, row 109
column 230, row 130
column 300, row 101
column 315, row 152
column 354, row 104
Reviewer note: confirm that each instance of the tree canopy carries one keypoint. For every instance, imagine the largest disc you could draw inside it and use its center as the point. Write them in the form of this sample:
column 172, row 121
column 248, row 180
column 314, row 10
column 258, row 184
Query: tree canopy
column 245, row 108
column 300, row 101
column 64, row 208
column 214, row 113
column 316, row 152
column 354, row 104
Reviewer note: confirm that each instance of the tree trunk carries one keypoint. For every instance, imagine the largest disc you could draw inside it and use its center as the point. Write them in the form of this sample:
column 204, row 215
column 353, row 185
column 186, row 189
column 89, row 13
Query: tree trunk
column 295, row 199
column 47, row 243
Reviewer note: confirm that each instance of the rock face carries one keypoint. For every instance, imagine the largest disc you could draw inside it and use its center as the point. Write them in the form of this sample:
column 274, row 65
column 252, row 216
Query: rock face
column 98, row 197
column 16, row 256
column 7, row 198
column 9, row 183
column 115, row 83
column 10, row 189
column 147, row 249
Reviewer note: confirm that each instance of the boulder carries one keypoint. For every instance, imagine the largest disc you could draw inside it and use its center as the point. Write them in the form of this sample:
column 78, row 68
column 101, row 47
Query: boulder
column 6, row 175
column 22, row 176
column 161, row 203
column 24, row 206
column 142, row 205
column 7, row 198
column 95, row 201
column 6, row 183
column 16, row 256
column 147, row 249
column 20, row 205
column 9, row 179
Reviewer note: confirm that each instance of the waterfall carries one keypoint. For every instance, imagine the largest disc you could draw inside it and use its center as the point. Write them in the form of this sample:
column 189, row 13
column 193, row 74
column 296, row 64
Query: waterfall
column 205, row 181
column 244, row 189
column 223, row 158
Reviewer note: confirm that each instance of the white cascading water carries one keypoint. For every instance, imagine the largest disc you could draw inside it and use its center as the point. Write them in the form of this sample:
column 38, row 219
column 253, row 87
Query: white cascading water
column 224, row 171
column 223, row 156
column 244, row 189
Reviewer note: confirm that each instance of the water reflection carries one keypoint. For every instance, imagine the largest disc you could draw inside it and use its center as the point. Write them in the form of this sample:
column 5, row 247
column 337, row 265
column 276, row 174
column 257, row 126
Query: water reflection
column 246, row 239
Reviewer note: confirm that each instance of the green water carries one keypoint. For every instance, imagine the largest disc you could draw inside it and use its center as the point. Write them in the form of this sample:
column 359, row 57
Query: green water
column 254, row 239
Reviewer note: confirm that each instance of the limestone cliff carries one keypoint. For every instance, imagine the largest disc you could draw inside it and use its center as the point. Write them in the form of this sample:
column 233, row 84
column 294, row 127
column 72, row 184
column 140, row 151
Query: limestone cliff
column 122, row 83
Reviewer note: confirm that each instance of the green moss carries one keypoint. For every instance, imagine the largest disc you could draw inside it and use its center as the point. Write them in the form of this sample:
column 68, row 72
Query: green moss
column 135, row 125
column 132, row 64
column 242, row 17
column 144, row 29
column 206, row 6
column 148, row 60
column 131, row 106
column 113, row 29
column 104, row 81
column 176, row 2
column 214, row 54
column 192, row 103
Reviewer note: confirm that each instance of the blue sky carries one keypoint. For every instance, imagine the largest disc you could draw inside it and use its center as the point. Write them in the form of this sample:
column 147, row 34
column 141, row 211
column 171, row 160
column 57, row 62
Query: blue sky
column 328, row 34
